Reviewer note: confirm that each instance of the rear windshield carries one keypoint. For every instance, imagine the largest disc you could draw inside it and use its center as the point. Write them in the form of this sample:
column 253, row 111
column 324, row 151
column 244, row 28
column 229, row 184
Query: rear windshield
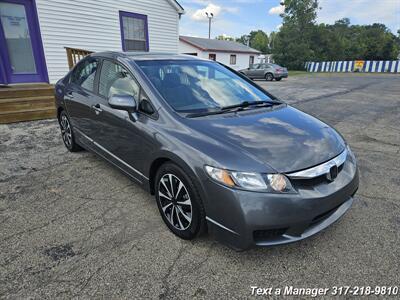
column 197, row 86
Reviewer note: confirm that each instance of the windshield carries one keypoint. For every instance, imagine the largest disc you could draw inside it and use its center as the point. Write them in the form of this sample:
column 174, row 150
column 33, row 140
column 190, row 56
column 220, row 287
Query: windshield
column 193, row 86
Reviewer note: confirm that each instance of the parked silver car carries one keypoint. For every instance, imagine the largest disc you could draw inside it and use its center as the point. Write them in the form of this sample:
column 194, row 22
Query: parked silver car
column 267, row 71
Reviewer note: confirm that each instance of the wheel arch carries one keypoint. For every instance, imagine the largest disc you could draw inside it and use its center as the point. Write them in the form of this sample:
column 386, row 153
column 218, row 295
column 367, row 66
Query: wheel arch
column 163, row 158
column 59, row 110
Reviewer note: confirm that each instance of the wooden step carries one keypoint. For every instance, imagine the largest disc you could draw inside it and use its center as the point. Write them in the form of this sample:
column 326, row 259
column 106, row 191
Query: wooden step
column 24, row 91
column 27, row 115
column 22, row 104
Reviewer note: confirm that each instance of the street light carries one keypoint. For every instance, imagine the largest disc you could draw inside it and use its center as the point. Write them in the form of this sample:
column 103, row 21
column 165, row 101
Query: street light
column 209, row 16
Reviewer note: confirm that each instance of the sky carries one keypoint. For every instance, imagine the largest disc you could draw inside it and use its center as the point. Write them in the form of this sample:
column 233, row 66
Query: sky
column 237, row 17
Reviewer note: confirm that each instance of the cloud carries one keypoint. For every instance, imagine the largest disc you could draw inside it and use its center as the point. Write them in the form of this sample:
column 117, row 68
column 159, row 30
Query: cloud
column 360, row 12
column 232, row 10
column 277, row 10
column 200, row 14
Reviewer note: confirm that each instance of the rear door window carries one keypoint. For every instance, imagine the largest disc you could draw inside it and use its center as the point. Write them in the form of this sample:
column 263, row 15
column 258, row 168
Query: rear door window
column 85, row 73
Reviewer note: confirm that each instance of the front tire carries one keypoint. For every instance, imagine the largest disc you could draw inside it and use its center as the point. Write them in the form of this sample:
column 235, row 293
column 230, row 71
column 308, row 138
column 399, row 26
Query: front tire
column 179, row 202
column 67, row 133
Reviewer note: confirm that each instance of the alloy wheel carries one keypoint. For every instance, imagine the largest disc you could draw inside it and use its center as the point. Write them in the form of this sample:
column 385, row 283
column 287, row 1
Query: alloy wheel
column 66, row 132
column 175, row 201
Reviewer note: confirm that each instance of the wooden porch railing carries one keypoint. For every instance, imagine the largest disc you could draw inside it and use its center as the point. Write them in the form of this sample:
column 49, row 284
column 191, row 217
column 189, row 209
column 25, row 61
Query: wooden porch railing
column 74, row 55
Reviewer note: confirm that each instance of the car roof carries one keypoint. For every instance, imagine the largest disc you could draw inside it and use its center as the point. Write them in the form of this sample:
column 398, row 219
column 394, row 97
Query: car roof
column 140, row 56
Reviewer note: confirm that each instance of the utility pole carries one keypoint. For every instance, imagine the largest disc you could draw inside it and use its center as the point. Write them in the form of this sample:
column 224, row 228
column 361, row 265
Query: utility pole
column 209, row 16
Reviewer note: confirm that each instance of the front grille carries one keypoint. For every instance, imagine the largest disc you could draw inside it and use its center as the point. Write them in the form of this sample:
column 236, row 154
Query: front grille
column 313, row 181
column 268, row 234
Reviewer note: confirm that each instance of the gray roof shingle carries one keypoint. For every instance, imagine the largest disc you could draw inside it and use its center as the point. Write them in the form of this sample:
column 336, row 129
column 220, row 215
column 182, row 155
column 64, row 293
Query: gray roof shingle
column 217, row 45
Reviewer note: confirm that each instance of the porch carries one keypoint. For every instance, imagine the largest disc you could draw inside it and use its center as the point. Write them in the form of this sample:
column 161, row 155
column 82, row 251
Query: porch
column 32, row 101
column 25, row 102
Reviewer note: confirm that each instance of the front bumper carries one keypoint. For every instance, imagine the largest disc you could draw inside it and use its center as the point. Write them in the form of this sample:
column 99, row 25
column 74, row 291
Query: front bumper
column 243, row 219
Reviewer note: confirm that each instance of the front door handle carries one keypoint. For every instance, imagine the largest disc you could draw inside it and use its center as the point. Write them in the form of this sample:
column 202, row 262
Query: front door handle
column 68, row 96
column 97, row 108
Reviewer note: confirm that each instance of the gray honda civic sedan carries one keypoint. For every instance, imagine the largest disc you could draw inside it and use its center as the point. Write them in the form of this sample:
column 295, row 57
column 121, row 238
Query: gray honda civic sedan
column 219, row 153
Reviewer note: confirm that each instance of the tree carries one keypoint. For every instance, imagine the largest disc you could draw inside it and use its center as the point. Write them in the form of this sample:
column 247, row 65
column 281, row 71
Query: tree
column 300, row 39
column 256, row 39
column 293, row 41
column 272, row 37
column 259, row 40
column 225, row 37
column 244, row 39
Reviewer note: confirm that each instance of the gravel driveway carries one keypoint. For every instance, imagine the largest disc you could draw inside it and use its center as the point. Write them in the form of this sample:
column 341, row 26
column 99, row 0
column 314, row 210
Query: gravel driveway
column 73, row 226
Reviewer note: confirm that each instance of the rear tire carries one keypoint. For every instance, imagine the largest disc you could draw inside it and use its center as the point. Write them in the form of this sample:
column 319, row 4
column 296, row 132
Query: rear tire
column 179, row 202
column 67, row 133
column 278, row 79
column 269, row 77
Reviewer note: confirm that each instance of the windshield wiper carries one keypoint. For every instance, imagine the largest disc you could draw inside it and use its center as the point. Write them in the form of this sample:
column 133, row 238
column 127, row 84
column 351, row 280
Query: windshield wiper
column 245, row 104
column 235, row 107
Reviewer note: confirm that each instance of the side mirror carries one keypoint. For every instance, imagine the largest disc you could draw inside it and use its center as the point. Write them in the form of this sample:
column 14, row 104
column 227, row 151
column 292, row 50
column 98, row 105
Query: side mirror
column 123, row 102
column 146, row 107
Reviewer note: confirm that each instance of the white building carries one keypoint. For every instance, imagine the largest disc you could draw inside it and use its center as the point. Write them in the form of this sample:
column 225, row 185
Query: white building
column 235, row 55
column 33, row 33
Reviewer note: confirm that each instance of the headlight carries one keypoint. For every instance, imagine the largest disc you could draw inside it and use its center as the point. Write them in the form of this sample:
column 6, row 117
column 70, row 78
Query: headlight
column 251, row 181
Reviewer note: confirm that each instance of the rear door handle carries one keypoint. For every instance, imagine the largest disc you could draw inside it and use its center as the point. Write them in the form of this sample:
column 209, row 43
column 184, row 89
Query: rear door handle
column 97, row 108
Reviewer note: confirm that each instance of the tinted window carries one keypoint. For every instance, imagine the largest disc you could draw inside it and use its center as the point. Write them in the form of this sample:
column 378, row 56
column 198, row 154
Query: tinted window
column 116, row 80
column 85, row 73
column 193, row 86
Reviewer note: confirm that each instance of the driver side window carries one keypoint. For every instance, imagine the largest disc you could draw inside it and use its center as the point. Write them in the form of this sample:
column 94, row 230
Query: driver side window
column 116, row 80
column 254, row 66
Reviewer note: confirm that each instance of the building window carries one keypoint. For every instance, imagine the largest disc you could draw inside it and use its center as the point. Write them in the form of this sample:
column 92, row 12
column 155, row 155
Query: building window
column 251, row 60
column 134, row 31
column 212, row 56
column 233, row 59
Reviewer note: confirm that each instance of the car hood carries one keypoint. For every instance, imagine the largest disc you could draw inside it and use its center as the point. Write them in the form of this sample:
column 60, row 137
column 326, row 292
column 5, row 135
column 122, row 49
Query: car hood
column 284, row 138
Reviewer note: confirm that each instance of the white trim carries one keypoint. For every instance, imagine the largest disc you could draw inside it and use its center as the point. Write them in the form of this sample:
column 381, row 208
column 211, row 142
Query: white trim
column 220, row 225
column 177, row 6
column 109, row 153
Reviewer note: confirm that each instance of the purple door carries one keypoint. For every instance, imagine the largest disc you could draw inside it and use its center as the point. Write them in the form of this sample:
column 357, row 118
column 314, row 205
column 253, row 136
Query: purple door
column 21, row 51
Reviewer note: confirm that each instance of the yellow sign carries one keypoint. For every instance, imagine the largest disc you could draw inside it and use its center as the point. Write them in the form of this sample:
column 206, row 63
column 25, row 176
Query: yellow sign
column 358, row 65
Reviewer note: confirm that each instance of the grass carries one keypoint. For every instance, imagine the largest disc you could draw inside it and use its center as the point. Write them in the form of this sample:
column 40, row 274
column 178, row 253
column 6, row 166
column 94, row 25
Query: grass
column 302, row 73
column 298, row 73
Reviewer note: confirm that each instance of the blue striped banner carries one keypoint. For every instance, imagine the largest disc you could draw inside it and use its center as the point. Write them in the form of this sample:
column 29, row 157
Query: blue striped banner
column 377, row 66
column 366, row 66
column 372, row 66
